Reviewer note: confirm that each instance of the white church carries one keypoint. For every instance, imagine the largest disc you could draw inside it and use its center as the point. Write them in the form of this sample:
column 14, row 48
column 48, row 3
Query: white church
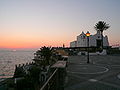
column 94, row 40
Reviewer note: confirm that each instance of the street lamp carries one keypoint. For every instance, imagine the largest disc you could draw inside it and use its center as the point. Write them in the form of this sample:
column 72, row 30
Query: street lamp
column 88, row 34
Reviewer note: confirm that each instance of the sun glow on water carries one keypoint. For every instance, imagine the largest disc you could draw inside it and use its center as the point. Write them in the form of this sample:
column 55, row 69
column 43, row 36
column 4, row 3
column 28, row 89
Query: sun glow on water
column 14, row 50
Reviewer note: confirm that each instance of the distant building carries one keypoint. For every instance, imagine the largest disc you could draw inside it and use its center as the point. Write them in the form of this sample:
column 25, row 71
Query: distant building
column 94, row 40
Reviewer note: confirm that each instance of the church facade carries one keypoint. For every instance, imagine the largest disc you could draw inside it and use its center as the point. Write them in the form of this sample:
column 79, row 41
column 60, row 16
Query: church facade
column 94, row 40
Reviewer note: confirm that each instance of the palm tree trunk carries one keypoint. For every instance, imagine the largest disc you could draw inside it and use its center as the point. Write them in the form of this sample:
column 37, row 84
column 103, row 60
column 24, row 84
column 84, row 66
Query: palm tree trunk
column 102, row 40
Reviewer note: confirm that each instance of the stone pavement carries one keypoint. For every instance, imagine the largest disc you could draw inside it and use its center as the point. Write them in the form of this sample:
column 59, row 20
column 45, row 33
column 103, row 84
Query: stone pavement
column 101, row 74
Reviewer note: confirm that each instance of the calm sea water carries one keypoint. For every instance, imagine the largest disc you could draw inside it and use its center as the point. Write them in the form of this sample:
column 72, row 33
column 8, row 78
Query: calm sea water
column 8, row 60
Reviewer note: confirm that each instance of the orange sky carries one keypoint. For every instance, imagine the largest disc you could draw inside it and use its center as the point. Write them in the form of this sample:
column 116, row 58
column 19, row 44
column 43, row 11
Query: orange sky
column 30, row 43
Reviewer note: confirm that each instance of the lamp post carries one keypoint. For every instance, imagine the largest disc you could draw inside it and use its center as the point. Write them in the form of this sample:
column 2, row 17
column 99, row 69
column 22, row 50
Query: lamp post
column 88, row 34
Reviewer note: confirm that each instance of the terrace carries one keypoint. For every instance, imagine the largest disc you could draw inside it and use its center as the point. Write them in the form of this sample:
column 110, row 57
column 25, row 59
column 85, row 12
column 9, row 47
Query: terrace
column 103, row 73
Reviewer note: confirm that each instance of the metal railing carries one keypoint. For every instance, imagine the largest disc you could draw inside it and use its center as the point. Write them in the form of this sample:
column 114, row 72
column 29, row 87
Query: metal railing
column 51, row 83
column 57, row 78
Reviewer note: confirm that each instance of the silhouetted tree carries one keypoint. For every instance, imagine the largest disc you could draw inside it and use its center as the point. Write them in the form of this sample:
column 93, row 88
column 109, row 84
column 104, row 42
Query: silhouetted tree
column 101, row 26
column 19, row 72
column 34, row 76
column 31, row 80
column 46, row 52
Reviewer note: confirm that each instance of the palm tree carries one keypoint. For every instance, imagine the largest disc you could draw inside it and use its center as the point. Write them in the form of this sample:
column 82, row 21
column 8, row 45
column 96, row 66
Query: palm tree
column 101, row 26
column 46, row 52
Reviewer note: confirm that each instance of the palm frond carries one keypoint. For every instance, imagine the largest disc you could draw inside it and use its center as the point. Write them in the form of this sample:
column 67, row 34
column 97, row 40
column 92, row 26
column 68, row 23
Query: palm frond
column 101, row 26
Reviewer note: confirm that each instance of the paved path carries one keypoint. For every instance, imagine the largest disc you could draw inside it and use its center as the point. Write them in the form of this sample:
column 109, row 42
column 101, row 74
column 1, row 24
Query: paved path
column 82, row 76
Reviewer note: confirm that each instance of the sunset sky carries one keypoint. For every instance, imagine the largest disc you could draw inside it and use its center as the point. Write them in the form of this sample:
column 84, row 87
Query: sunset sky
column 35, row 23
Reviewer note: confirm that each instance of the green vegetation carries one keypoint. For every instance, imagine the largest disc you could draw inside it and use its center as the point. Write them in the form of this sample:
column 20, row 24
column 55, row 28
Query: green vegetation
column 101, row 26
column 27, row 81
column 19, row 72
column 45, row 56
column 28, row 76
column 46, row 53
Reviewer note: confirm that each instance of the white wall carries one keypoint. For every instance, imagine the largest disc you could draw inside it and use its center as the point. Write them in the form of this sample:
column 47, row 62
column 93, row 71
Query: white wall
column 73, row 44
column 82, row 40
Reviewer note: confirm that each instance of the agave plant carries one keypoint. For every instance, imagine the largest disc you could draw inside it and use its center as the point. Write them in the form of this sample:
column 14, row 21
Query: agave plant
column 46, row 53
column 43, row 56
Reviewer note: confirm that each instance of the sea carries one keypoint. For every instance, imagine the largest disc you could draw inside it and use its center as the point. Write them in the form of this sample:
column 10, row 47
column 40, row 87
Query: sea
column 8, row 60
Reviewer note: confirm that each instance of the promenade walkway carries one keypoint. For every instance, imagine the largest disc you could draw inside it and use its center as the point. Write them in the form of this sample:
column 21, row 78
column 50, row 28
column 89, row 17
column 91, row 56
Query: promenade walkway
column 101, row 74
